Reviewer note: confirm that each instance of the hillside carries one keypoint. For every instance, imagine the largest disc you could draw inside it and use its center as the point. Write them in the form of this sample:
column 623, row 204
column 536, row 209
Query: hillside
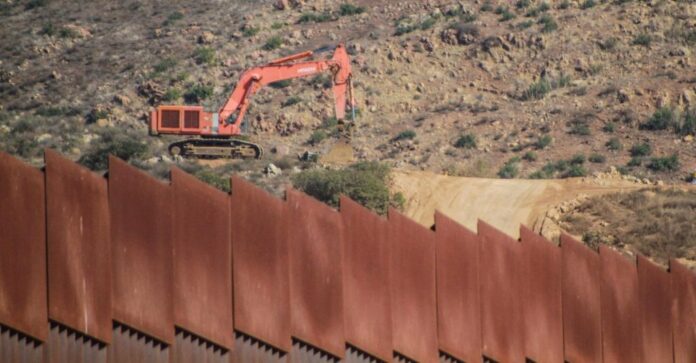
column 528, row 84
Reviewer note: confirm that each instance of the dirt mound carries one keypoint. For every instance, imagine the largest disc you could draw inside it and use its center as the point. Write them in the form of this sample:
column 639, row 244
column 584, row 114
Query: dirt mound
column 504, row 203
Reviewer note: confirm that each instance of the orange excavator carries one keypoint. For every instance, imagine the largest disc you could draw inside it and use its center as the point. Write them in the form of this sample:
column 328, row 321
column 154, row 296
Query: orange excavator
column 218, row 133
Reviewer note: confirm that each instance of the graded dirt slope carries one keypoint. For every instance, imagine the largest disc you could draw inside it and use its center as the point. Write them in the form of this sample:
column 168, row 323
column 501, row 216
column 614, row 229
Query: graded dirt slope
column 504, row 203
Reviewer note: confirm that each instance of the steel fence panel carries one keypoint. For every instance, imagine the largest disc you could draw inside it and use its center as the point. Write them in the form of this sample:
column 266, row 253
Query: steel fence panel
column 16, row 347
column 202, row 259
column 131, row 346
column 66, row 345
column 78, row 247
column 190, row 348
column 315, row 241
column 22, row 248
column 413, row 291
column 582, row 330
column 366, row 295
column 543, row 315
column 621, row 329
column 502, row 322
column 250, row 350
column 655, row 289
column 141, row 239
column 683, row 312
column 260, row 264
column 458, row 301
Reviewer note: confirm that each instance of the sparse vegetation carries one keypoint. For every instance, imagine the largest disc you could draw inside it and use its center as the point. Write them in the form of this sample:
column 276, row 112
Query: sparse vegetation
column 597, row 158
column 250, row 31
column 530, row 156
column 643, row 40
column 350, row 9
column 273, row 43
column 510, row 169
column 172, row 94
column 204, row 55
column 466, row 141
column 405, row 135
column 662, row 119
column 587, row 4
column 173, row 18
column 614, row 144
column 311, row 17
column 548, row 24
column 537, row 90
column 365, row 183
column 643, row 149
column 665, row 163
column 292, row 100
column 115, row 142
column 543, row 142
column 609, row 127
column 198, row 93
column 317, row 137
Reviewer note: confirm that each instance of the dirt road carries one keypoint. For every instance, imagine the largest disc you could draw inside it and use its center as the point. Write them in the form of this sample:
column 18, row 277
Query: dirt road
column 504, row 203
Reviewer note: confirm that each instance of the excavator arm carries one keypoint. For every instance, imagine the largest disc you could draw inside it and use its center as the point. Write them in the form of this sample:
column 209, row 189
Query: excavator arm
column 233, row 111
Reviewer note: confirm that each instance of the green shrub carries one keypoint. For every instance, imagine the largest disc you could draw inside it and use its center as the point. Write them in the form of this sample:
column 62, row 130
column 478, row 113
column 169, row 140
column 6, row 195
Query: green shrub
column 688, row 124
column 642, row 39
column 635, row 161
column 662, row 119
column 214, row 179
column 548, row 24
column 609, row 44
column 317, row 137
column 277, row 25
column 577, row 159
column 62, row 111
column 537, row 90
column 365, row 183
column 164, row 65
column 112, row 142
column 427, row 23
column 597, row 158
column 350, row 9
column 668, row 163
column 509, row 170
column 614, row 144
column 565, row 4
column 521, row 4
column 173, row 18
column 507, row 15
column 281, row 84
column 250, row 31
column 204, row 55
column 467, row 141
column 530, row 156
column 641, row 149
column 293, row 100
column 609, row 127
column 579, row 126
column 273, row 42
column 587, row 4
column 525, row 24
column 543, row 142
column 315, row 17
column 172, row 94
column 32, row 4
column 197, row 93
column 405, row 135
column 575, row 170
column 487, row 6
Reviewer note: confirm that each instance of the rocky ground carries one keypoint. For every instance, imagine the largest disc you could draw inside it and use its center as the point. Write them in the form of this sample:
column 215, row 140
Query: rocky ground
column 474, row 88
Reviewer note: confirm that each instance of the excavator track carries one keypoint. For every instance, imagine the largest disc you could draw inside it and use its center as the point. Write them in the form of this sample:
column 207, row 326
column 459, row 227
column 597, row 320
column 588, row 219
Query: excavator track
column 208, row 148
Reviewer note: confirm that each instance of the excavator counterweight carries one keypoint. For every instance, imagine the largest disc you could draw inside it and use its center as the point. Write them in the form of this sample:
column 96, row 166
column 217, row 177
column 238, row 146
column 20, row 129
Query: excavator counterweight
column 217, row 134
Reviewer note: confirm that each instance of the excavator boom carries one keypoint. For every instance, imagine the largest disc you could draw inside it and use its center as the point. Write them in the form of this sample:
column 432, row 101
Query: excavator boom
column 227, row 122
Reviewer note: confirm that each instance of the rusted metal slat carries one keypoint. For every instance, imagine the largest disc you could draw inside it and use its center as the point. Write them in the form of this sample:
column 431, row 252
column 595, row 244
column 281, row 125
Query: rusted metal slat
column 366, row 292
column 458, row 302
column 413, row 292
column 315, row 241
column 78, row 247
column 683, row 312
column 543, row 315
column 202, row 259
column 621, row 338
column 501, row 271
column 22, row 248
column 655, row 289
column 141, row 240
column 582, row 334
column 260, row 263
